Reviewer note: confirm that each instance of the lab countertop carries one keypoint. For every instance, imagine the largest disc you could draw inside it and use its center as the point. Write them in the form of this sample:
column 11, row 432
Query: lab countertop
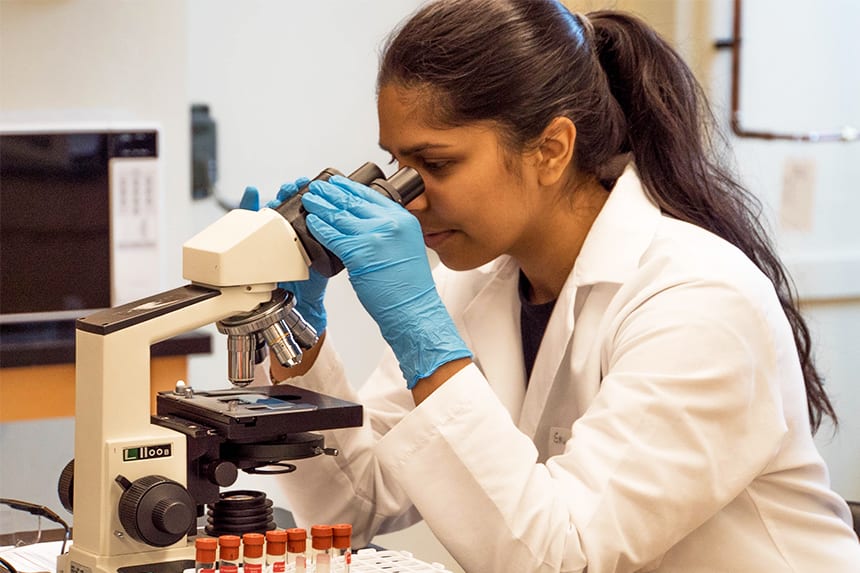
column 37, row 344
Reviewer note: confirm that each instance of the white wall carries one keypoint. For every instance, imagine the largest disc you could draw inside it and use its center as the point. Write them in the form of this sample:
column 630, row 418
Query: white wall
column 291, row 86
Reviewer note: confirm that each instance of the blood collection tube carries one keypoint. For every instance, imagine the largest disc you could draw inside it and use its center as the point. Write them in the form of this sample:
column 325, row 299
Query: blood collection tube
column 276, row 551
column 297, row 548
column 320, row 544
column 342, row 541
column 204, row 559
column 229, row 557
column 252, row 552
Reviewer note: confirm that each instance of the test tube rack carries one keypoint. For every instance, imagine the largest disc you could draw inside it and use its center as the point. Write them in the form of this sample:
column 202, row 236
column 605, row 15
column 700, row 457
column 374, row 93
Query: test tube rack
column 387, row 561
column 374, row 561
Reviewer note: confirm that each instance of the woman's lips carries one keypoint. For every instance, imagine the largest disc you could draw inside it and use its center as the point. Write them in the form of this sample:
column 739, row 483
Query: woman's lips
column 434, row 239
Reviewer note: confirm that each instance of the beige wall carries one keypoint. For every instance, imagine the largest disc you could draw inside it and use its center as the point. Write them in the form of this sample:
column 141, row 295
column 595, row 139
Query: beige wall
column 662, row 14
column 683, row 23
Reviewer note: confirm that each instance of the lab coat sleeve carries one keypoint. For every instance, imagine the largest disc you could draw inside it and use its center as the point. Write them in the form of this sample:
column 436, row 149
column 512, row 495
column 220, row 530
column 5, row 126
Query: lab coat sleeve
column 350, row 487
column 687, row 415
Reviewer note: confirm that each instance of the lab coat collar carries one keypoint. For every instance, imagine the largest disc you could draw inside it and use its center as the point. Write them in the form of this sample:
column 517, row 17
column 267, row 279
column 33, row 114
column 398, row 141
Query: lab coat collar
column 620, row 235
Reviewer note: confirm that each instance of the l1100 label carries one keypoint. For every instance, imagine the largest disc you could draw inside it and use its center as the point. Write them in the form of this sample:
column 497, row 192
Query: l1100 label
column 146, row 452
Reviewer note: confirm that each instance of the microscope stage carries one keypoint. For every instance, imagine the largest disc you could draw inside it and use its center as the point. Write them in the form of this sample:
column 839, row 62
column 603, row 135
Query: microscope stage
column 256, row 413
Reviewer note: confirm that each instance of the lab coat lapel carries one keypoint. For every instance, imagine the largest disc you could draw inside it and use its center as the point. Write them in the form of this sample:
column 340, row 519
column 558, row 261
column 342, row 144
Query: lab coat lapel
column 553, row 348
column 566, row 379
column 568, row 367
column 492, row 322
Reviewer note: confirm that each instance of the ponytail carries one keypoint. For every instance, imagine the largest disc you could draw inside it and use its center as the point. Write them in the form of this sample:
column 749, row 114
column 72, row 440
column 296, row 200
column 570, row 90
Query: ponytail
column 671, row 135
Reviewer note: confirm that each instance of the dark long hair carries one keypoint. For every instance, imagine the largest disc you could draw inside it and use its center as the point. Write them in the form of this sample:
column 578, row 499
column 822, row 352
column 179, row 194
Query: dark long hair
column 522, row 63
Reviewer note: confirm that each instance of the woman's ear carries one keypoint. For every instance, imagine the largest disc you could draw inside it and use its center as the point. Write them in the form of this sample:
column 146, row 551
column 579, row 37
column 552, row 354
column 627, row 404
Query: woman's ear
column 555, row 150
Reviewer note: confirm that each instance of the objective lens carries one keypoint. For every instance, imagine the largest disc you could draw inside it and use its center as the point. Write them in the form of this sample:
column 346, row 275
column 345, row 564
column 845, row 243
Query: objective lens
column 241, row 349
column 283, row 344
column 275, row 323
column 304, row 333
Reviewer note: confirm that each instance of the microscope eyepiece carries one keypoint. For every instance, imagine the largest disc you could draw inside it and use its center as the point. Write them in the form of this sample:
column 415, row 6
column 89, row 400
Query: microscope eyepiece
column 402, row 187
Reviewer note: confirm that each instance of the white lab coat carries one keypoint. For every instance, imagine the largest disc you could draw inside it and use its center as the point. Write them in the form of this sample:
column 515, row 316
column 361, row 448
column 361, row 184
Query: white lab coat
column 664, row 427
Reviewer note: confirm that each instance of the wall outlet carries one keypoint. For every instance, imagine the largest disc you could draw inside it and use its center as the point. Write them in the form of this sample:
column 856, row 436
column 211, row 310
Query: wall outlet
column 797, row 201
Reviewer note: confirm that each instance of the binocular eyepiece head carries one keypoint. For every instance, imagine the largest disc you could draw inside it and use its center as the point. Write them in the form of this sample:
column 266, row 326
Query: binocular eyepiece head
column 402, row 187
column 276, row 324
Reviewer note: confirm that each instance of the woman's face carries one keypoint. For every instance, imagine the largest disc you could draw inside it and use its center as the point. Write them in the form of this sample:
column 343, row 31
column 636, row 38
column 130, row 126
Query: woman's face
column 478, row 202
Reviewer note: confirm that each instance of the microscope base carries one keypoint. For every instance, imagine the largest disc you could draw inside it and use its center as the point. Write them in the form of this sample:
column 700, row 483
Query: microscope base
column 171, row 560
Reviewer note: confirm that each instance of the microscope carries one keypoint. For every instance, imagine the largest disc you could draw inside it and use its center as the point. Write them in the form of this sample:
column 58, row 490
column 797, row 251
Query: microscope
column 139, row 483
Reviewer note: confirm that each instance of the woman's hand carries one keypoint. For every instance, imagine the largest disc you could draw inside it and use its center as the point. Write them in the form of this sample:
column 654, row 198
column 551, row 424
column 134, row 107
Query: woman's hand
column 381, row 245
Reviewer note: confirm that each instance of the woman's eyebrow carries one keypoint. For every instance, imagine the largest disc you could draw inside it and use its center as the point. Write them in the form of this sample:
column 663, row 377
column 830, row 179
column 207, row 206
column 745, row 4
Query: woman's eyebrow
column 417, row 148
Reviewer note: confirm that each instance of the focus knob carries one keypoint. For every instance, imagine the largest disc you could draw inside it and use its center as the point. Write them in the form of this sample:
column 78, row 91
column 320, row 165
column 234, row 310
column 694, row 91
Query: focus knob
column 156, row 510
column 66, row 486
column 172, row 516
column 222, row 473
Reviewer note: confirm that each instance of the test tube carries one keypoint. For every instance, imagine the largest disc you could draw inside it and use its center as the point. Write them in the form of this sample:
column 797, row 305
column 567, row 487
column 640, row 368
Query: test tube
column 320, row 544
column 297, row 548
column 252, row 552
column 276, row 551
column 342, row 541
column 229, row 557
column 204, row 560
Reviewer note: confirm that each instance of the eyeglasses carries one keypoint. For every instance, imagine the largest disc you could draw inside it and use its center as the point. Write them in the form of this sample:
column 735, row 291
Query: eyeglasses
column 28, row 527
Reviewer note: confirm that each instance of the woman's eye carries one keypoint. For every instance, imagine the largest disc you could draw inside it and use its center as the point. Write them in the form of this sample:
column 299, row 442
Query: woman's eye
column 430, row 165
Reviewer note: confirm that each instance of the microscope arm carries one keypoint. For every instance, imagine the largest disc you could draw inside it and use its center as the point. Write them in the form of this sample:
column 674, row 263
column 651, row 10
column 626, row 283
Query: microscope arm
column 234, row 266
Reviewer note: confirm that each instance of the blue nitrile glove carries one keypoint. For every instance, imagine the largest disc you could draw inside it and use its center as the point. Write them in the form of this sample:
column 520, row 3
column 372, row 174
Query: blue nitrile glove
column 310, row 293
column 380, row 244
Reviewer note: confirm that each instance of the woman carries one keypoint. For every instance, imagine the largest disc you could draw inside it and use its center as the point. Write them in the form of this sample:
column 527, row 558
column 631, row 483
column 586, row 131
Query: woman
column 610, row 372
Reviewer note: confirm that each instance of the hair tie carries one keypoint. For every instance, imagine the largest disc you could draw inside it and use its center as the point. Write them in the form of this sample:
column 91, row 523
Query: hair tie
column 586, row 25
